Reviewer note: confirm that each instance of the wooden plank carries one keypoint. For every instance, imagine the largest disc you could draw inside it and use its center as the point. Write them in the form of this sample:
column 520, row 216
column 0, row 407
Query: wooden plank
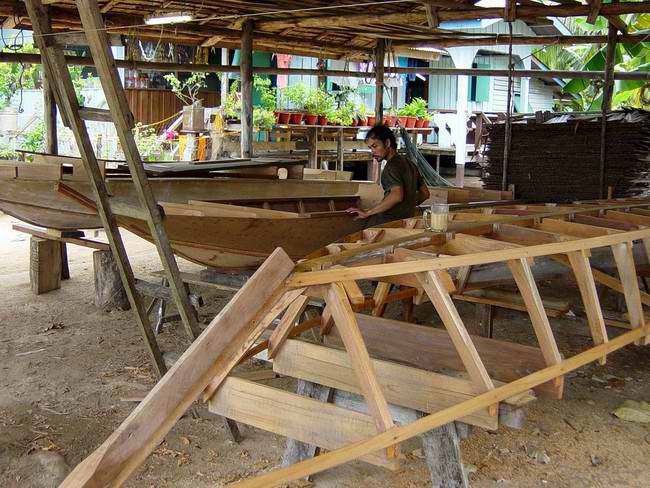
column 294, row 416
column 398, row 434
column 8, row 171
column 526, row 283
column 211, row 356
column 628, row 217
column 573, row 228
column 79, row 241
column 246, row 211
column 35, row 171
column 585, row 279
column 347, row 326
column 443, row 304
column 406, row 386
column 624, row 258
column 308, row 278
column 283, row 329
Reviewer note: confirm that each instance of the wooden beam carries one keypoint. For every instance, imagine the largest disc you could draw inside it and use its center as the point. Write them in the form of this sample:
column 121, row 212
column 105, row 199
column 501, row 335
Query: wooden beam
column 406, row 386
column 294, row 416
column 246, row 73
column 215, row 352
column 282, row 331
column 381, row 292
column 445, row 307
column 624, row 257
column 392, row 269
column 347, row 326
column 594, row 10
column 399, row 434
column 582, row 270
column 526, row 283
column 211, row 68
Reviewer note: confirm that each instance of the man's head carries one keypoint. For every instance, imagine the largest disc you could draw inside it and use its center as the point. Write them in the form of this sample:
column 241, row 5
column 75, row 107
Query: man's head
column 381, row 142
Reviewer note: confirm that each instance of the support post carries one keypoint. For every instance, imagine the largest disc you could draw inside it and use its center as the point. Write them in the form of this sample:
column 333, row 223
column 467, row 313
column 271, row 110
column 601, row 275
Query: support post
column 507, row 138
column 44, row 265
column 441, row 448
column 109, row 290
column 225, row 59
column 49, row 118
column 246, row 73
column 608, row 90
column 380, row 54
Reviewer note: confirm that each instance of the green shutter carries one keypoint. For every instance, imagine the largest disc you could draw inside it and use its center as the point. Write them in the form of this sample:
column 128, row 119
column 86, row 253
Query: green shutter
column 482, row 85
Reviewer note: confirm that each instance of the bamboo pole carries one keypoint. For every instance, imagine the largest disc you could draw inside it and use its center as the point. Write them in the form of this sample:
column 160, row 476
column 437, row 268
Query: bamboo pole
column 508, row 134
column 608, row 90
column 209, row 68
column 246, row 69
column 49, row 118
column 380, row 54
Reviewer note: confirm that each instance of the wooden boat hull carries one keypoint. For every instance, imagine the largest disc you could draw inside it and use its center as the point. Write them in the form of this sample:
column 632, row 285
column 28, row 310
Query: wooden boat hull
column 220, row 242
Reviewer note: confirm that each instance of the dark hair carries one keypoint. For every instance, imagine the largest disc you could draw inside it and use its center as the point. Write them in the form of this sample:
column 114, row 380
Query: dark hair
column 383, row 133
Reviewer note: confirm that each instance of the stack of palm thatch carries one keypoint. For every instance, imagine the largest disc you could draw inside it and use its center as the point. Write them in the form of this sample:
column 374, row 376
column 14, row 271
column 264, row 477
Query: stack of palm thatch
column 559, row 160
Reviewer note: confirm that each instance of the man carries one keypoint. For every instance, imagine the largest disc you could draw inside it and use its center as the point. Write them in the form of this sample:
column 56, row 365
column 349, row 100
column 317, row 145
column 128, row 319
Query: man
column 403, row 187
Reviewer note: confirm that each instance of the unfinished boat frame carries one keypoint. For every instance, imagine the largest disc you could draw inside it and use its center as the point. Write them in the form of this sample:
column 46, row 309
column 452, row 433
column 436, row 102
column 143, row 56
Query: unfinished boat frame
column 405, row 356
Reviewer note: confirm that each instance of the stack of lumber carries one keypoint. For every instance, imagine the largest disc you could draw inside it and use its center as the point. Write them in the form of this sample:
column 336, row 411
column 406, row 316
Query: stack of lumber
column 559, row 160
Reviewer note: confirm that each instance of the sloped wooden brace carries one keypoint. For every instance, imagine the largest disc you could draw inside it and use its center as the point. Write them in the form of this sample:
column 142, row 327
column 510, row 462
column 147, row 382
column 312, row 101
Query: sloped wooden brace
column 462, row 278
column 585, row 279
column 445, row 307
column 327, row 322
column 214, row 353
column 283, row 329
column 381, row 292
column 627, row 273
column 346, row 323
column 526, row 283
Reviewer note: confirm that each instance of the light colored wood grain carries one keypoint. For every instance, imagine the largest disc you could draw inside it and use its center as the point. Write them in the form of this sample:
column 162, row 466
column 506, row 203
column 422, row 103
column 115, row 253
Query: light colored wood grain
column 624, row 258
column 281, row 332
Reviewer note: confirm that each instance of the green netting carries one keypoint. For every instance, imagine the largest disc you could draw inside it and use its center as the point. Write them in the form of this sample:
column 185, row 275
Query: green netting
column 431, row 176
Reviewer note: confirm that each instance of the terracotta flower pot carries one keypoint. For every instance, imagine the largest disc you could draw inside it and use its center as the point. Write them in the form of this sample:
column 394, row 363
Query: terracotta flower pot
column 362, row 122
column 419, row 123
column 311, row 119
column 296, row 118
column 371, row 120
column 322, row 120
column 426, row 124
column 389, row 120
column 284, row 117
column 402, row 120
column 410, row 121
column 354, row 123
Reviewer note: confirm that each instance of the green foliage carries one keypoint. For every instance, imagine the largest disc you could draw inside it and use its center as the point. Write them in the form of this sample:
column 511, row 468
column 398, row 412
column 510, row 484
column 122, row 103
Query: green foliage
column 344, row 115
column 7, row 151
column 263, row 119
column 296, row 95
column 319, row 101
column 15, row 75
column 587, row 94
column 267, row 94
column 187, row 90
column 147, row 141
column 34, row 138
column 232, row 103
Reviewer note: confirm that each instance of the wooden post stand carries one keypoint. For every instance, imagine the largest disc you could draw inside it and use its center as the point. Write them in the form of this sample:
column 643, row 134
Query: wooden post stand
column 109, row 290
column 44, row 265
column 442, row 454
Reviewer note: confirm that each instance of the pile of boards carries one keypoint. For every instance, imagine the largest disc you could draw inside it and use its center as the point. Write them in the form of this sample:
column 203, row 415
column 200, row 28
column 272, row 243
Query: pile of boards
column 559, row 160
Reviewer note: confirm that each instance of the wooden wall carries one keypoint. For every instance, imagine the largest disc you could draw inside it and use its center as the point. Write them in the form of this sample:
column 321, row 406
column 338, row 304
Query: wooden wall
column 150, row 106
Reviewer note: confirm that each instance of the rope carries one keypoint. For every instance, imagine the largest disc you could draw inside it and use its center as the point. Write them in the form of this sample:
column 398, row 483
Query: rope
column 430, row 176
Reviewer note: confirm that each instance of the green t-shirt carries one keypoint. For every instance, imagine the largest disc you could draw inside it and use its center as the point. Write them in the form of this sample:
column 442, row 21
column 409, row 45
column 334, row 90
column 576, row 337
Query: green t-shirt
column 399, row 171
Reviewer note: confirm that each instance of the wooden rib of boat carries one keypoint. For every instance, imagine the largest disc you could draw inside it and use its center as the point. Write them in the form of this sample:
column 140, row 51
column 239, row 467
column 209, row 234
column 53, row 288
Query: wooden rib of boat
column 227, row 223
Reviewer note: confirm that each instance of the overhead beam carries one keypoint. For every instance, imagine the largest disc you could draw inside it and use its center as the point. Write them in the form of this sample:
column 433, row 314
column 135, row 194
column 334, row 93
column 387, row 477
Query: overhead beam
column 210, row 68
column 505, row 39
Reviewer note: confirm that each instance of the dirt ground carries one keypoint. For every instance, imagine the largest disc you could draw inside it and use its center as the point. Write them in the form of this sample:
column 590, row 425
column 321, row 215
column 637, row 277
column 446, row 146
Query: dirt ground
column 66, row 371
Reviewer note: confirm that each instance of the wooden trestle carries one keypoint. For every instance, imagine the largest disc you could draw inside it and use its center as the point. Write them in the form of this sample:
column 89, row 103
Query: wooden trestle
column 389, row 361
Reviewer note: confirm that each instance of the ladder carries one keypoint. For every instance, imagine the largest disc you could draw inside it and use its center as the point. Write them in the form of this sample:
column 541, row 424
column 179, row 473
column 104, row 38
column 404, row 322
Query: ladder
column 119, row 113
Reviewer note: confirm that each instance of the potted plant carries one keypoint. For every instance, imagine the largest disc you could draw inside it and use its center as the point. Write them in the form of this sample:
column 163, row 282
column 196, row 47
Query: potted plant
column 231, row 106
column 263, row 119
column 346, row 114
column 362, row 120
column 390, row 118
column 407, row 115
column 371, row 120
column 187, row 91
column 268, row 98
column 296, row 95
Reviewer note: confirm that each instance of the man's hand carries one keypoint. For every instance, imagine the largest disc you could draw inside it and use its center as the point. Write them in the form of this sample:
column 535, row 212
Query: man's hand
column 360, row 213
